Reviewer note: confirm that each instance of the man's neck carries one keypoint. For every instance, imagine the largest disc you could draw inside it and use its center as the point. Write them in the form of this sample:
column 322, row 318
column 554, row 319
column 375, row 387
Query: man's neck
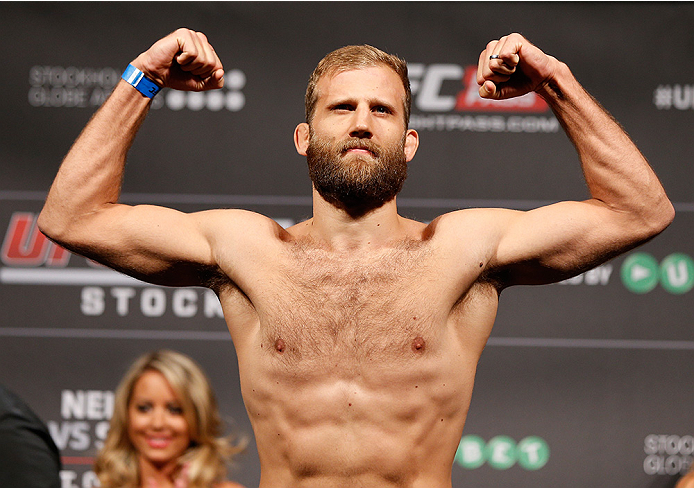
column 341, row 231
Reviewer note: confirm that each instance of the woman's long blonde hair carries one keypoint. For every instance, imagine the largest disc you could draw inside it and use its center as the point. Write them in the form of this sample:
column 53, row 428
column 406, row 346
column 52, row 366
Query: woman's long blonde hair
column 208, row 454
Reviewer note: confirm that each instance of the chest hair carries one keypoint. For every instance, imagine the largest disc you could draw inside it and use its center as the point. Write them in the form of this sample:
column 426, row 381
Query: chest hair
column 354, row 306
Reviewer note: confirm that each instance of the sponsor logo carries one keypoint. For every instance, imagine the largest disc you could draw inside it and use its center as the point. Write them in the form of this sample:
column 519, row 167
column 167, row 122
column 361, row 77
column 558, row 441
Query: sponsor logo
column 667, row 454
column 678, row 97
column 441, row 105
column 74, row 479
column 25, row 245
column 599, row 275
column 80, row 433
column 230, row 97
column 84, row 420
column 75, row 87
column 641, row 273
column 149, row 302
column 502, row 452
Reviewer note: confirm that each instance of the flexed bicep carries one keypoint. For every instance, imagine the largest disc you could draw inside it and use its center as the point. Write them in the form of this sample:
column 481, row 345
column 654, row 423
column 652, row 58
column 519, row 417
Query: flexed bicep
column 558, row 241
column 82, row 212
column 628, row 205
column 155, row 244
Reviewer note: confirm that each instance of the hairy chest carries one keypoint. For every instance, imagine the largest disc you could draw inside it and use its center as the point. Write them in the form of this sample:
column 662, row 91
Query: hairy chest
column 356, row 307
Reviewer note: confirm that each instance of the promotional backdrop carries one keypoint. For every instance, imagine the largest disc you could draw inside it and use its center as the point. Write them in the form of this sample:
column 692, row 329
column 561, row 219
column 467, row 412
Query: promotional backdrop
column 589, row 382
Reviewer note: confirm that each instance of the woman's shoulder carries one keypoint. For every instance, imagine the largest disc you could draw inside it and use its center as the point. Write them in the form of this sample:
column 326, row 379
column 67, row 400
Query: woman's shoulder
column 228, row 484
column 687, row 481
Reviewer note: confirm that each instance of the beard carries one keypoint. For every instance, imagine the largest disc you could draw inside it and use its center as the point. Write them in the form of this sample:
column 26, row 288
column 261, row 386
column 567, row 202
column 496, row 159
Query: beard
column 356, row 183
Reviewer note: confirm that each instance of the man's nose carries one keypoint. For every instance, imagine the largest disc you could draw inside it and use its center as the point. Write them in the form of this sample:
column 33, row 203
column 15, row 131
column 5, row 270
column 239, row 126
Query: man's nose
column 361, row 123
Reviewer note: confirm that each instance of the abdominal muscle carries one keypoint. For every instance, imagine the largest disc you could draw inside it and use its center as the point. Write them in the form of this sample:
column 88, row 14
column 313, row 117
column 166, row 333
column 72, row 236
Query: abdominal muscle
column 333, row 422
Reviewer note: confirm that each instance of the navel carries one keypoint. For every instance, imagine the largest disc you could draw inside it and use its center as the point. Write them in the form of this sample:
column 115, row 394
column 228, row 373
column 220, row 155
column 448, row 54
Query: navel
column 418, row 344
column 279, row 345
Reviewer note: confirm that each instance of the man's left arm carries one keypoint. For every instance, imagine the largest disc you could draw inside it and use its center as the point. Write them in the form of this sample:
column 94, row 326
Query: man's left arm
column 628, row 205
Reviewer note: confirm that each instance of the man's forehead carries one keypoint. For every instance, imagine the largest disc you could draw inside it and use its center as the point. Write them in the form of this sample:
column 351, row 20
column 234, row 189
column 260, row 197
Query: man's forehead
column 373, row 80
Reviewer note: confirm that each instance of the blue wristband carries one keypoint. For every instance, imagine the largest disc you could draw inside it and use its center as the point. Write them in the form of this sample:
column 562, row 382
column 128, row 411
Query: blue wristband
column 141, row 83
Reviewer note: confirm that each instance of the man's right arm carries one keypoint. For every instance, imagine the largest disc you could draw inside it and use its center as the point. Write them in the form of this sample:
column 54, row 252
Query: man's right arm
column 82, row 212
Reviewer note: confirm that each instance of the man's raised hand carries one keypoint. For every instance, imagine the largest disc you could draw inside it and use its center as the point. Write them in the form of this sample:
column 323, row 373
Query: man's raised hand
column 183, row 60
column 512, row 66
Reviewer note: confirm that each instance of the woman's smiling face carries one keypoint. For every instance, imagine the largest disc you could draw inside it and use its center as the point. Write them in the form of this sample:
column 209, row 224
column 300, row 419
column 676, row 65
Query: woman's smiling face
column 157, row 427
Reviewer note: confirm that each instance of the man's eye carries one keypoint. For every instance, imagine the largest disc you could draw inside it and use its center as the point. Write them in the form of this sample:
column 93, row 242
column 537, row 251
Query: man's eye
column 343, row 106
column 382, row 110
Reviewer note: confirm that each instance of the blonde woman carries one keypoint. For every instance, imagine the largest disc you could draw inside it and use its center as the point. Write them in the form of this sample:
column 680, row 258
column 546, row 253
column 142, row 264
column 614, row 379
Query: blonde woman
column 165, row 430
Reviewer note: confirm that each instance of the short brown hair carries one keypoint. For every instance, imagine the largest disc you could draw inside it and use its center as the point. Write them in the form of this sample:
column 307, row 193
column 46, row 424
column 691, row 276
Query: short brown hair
column 356, row 57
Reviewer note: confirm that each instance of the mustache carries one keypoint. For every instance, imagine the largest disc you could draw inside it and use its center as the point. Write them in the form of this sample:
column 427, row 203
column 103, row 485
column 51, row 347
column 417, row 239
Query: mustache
column 366, row 144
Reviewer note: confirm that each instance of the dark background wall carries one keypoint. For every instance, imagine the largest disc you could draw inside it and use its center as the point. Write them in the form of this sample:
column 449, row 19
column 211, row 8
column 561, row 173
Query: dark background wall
column 584, row 383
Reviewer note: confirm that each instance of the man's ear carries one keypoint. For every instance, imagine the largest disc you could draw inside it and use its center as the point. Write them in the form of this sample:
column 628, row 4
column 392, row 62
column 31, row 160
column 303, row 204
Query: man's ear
column 301, row 138
column 411, row 144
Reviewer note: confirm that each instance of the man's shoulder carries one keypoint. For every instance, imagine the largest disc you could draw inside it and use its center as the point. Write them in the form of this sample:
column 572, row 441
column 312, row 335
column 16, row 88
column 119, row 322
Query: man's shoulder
column 11, row 404
column 239, row 222
column 480, row 221
column 469, row 236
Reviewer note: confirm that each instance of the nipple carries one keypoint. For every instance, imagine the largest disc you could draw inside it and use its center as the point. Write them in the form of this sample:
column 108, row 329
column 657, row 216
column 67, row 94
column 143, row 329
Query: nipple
column 418, row 344
column 279, row 345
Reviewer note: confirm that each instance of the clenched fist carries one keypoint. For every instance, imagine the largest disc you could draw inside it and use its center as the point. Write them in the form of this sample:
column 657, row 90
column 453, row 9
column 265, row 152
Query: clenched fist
column 183, row 60
column 512, row 66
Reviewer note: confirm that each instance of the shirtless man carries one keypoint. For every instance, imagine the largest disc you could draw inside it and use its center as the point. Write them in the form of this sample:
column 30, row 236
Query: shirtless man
column 358, row 331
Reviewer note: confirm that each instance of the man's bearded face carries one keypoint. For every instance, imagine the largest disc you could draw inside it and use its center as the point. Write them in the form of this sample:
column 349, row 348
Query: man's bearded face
column 356, row 182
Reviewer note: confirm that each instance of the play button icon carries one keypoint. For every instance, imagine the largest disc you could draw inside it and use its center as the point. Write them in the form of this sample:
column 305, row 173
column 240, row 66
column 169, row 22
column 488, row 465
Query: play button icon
column 640, row 272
